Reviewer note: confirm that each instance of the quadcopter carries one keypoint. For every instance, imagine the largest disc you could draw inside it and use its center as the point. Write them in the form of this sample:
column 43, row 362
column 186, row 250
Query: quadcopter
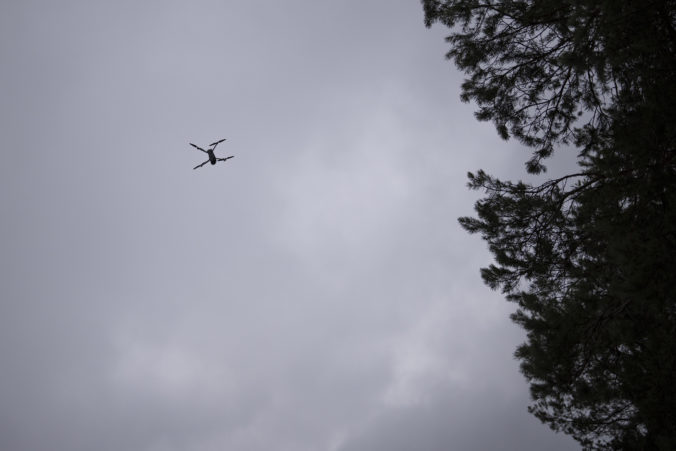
column 212, row 158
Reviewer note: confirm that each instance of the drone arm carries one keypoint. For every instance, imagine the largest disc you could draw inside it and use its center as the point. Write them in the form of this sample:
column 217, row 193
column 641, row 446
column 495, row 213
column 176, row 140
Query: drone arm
column 200, row 165
column 226, row 158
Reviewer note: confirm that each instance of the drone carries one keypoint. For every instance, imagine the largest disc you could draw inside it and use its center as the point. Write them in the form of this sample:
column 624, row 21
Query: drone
column 212, row 158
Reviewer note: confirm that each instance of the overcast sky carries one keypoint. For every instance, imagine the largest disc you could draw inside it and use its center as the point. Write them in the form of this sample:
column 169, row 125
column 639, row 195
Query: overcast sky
column 313, row 293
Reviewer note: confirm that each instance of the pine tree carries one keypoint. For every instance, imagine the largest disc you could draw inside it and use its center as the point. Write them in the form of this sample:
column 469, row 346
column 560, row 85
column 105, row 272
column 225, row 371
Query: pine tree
column 590, row 257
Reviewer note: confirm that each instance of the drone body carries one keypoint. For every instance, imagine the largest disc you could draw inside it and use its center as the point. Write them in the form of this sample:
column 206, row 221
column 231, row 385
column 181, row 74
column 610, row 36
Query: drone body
column 210, row 153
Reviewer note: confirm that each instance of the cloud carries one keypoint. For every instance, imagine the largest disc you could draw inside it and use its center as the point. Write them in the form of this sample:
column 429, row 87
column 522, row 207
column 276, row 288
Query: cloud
column 315, row 292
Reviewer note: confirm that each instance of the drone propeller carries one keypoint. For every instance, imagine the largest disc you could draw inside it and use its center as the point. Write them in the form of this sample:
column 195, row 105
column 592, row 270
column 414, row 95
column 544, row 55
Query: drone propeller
column 217, row 142
column 198, row 147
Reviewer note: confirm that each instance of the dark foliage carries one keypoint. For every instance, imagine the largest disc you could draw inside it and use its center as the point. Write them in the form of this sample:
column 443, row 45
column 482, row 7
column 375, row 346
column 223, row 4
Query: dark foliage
column 590, row 257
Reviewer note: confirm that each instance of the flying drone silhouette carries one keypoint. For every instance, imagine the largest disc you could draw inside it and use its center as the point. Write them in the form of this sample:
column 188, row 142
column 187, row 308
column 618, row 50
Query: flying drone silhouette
column 212, row 158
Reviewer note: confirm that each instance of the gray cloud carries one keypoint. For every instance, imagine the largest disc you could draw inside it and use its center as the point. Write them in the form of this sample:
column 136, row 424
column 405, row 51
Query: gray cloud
column 313, row 293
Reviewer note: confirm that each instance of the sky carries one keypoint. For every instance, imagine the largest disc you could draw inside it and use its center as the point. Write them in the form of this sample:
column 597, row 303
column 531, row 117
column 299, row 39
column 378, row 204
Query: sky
column 315, row 292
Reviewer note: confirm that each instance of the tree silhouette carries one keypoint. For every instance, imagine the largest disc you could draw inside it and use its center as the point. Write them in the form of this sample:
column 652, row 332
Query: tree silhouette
column 589, row 257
